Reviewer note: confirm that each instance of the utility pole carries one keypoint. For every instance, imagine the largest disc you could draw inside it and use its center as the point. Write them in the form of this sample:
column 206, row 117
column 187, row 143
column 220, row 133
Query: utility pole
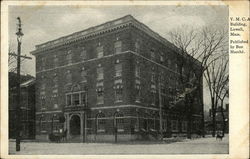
column 160, row 105
column 85, row 116
column 18, row 110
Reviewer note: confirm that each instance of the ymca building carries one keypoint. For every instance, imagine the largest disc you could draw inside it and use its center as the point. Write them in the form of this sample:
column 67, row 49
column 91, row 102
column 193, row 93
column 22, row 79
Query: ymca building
column 114, row 81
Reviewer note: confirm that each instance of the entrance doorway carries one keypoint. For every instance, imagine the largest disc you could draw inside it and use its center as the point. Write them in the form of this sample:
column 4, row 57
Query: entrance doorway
column 75, row 126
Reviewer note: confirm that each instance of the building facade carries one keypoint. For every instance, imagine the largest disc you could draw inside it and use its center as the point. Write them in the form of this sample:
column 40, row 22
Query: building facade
column 27, row 110
column 112, row 82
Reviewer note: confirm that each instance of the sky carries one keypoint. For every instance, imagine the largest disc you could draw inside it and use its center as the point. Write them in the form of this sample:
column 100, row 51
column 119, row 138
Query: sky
column 45, row 23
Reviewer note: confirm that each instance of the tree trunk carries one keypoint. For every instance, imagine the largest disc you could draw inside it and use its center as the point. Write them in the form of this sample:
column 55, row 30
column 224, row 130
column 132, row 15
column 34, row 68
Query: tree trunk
column 213, row 121
column 223, row 119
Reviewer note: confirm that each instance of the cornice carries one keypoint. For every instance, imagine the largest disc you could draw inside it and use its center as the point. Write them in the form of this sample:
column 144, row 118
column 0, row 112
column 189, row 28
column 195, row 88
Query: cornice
column 107, row 27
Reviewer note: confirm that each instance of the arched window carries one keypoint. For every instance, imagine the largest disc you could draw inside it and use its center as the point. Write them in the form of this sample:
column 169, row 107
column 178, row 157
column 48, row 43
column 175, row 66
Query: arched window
column 42, row 124
column 137, row 122
column 100, row 123
column 119, row 122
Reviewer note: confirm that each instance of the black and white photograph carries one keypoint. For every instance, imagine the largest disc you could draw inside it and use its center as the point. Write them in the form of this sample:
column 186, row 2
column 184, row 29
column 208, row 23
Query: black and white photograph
column 118, row 79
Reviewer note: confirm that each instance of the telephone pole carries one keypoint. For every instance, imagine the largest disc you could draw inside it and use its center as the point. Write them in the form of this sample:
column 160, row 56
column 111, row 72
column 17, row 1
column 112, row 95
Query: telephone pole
column 18, row 107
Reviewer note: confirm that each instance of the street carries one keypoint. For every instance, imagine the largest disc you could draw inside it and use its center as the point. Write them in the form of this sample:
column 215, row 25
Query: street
column 206, row 145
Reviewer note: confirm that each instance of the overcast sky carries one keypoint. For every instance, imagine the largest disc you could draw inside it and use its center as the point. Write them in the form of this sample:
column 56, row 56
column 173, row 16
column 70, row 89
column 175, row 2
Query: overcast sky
column 45, row 23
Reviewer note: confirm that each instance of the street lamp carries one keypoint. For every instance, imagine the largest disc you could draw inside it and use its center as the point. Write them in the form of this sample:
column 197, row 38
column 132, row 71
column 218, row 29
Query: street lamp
column 18, row 113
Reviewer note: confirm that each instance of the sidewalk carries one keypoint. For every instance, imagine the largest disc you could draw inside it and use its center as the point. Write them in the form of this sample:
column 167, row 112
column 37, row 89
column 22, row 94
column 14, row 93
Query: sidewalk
column 194, row 146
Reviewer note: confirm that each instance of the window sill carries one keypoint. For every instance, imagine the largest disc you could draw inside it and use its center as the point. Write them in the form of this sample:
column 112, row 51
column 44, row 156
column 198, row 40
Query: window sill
column 120, row 130
column 68, row 106
column 118, row 101
column 101, row 131
column 99, row 103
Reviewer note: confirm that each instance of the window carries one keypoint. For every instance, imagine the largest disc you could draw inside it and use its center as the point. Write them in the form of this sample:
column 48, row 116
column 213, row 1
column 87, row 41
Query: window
column 99, row 51
column 43, row 63
column 101, row 122
column 169, row 63
column 155, row 121
column 43, row 86
column 119, row 122
column 42, row 124
column 100, row 73
column 55, row 81
column 176, row 67
column 182, row 70
column 118, row 47
column 153, row 94
column 174, row 125
column 68, row 100
column 137, row 70
column 164, row 125
column 161, row 57
column 83, row 53
column 100, row 92
column 76, row 99
column 84, row 98
column 43, row 102
column 55, row 98
column 69, row 57
column 118, row 90
column 68, row 77
column 83, row 75
column 137, row 46
column 55, row 61
column 137, row 123
column 163, row 95
column 153, row 77
column 137, row 90
column 184, row 126
column 118, row 70
column 152, row 54
column 55, row 105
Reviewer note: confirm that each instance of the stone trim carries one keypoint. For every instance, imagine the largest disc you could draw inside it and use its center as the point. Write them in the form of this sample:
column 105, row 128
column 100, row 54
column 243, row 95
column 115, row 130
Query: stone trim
column 123, row 106
column 48, row 112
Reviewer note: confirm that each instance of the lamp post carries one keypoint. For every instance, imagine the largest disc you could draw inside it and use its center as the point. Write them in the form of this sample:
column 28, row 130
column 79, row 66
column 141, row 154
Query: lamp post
column 18, row 113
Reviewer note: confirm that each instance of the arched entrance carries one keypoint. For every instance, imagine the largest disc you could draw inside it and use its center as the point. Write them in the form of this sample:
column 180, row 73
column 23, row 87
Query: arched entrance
column 75, row 125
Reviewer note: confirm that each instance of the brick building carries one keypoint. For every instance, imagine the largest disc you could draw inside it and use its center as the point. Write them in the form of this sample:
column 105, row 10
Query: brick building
column 27, row 110
column 104, row 81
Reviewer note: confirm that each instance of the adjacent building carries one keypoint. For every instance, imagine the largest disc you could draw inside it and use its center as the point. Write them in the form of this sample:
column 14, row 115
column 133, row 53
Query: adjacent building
column 114, row 81
column 27, row 107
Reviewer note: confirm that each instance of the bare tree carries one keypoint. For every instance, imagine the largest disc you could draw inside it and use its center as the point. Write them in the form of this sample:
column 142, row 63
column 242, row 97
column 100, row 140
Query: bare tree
column 217, row 79
column 200, row 49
